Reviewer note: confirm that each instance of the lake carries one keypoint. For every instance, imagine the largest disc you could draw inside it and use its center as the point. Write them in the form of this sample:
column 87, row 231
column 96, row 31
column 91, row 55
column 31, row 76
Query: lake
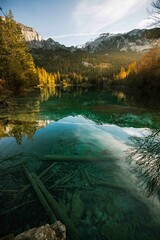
column 80, row 144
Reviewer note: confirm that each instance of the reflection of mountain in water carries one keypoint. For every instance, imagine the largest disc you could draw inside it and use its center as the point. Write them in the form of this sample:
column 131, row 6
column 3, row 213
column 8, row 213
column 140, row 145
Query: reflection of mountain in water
column 100, row 106
column 75, row 125
column 25, row 114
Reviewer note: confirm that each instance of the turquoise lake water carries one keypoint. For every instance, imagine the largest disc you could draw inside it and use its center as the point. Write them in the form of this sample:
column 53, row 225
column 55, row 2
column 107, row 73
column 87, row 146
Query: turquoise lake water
column 105, row 196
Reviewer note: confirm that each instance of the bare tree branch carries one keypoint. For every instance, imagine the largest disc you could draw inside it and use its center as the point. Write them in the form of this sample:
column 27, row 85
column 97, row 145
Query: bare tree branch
column 144, row 158
column 155, row 13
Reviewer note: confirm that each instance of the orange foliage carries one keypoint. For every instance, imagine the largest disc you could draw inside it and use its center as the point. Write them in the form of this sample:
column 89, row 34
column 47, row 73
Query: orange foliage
column 125, row 73
column 150, row 61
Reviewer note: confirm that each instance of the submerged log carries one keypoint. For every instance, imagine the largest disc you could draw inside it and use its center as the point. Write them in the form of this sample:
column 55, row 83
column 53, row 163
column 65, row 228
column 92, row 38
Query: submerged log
column 77, row 158
column 57, row 209
column 47, row 170
column 42, row 200
column 16, row 207
column 65, row 179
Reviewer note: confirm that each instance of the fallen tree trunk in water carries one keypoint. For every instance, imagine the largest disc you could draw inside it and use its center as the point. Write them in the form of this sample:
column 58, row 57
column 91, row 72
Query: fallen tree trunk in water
column 41, row 198
column 57, row 209
column 77, row 158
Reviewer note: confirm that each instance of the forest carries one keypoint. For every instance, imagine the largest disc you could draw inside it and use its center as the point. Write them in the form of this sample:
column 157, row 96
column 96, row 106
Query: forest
column 22, row 68
column 79, row 130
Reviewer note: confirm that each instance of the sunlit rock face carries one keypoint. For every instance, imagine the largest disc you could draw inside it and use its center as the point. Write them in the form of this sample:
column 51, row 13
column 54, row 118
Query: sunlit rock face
column 33, row 38
column 30, row 34
column 36, row 41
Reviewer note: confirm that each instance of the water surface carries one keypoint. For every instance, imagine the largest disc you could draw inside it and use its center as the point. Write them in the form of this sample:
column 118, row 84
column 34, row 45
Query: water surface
column 104, row 200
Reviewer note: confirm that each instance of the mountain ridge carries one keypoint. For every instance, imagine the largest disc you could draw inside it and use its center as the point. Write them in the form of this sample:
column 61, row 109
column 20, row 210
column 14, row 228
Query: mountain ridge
column 36, row 41
column 139, row 40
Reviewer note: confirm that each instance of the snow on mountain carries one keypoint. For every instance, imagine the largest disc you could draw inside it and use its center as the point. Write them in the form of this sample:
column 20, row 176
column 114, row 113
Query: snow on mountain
column 136, row 40
column 139, row 40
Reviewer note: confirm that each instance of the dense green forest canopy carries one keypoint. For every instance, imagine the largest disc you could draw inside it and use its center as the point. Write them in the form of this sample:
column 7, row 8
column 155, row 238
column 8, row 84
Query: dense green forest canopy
column 116, row 68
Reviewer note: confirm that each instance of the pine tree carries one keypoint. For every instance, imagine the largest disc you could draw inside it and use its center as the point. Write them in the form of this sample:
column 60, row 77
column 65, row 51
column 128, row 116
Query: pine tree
column 16, row 63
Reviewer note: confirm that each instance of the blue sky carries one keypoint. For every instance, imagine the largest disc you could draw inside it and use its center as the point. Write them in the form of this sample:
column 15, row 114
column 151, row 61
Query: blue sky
column 73, row 22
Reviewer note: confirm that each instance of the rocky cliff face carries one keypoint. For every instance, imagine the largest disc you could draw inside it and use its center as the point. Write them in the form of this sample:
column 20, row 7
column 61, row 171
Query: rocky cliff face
column 30, row 34
column 139, row 40
column 35, row 40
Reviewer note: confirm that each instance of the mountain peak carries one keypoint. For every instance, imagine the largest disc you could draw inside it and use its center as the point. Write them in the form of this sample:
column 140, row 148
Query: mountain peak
column 104, row 35
column 30, row 34
column 136, row 32
column 135, row 40
column 36, row 41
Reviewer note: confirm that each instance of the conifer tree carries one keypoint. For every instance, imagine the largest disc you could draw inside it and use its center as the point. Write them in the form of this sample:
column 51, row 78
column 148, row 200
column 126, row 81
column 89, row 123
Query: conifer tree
column 16, row 63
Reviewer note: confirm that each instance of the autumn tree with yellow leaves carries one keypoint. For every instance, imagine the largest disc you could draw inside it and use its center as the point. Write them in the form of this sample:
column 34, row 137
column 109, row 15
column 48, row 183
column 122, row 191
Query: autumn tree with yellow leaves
column 149, row 68
column 45, row 78
column 124, row 73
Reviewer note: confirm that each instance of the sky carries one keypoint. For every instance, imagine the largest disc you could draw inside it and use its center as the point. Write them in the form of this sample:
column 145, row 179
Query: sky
column 74, row 22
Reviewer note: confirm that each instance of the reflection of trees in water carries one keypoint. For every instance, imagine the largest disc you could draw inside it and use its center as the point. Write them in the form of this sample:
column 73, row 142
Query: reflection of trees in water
column 47, row 92
column 148, row 98
column 143, row 97
column 144, row 158
column 50, row 91
column 21, row 117
column 59, row 92
column 139, row 97
column 23, row 129
column 121, row 96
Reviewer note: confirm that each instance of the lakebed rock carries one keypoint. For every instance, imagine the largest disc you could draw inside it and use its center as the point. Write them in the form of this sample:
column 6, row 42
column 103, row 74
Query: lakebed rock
column 56, row 231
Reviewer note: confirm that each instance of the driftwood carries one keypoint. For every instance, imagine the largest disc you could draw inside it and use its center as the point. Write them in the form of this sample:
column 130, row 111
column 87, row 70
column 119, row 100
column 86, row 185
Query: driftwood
column 65, row 179
column 10, row 157
column 61, row 214
column 26, row 187
column 100, row 182
column 16, row 207
column 40, row 196
column 77, row 158
column 73, row 187
column 105, row 184
column 46, row 170
column 9, row 191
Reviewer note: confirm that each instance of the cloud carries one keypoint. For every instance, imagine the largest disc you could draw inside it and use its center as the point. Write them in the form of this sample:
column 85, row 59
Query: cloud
column 94, row 15
column 75, row 35
column 143, row 24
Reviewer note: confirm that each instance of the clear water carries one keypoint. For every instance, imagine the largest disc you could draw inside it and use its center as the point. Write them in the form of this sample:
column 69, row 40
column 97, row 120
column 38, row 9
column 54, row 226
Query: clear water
column 103, row 199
